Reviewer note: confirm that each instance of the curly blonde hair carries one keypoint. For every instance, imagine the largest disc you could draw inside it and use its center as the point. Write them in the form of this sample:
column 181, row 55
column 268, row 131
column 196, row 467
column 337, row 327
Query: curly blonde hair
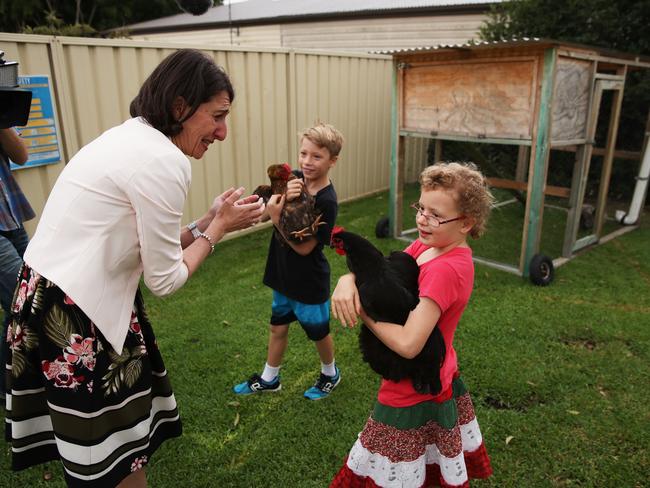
column 324, row 135
column 470, row 187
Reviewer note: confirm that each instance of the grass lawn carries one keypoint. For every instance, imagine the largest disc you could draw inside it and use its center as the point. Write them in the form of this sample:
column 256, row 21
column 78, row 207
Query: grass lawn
column 556, row 374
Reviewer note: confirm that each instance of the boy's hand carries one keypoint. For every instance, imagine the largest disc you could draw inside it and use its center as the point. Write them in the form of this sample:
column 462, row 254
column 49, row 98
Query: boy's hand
column 346, row 305
column 294, row 189
column 274, row 208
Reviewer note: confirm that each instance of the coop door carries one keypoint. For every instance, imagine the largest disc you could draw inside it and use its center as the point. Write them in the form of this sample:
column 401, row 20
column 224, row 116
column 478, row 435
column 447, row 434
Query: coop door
column 587, row 210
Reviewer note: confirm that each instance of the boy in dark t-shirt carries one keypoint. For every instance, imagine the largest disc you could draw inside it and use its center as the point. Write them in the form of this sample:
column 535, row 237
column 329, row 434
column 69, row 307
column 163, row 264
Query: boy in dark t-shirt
column 298, row 273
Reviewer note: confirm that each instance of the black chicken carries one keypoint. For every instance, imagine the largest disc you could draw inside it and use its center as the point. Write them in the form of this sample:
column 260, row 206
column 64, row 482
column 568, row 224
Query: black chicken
column 388, row 291
column 299, row 218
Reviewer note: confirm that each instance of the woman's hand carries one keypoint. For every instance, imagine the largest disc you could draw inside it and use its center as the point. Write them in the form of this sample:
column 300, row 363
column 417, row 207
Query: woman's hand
column 218, row 201
column 274, row 208
column 346, row 305
column 235, row 214
column 294, row 189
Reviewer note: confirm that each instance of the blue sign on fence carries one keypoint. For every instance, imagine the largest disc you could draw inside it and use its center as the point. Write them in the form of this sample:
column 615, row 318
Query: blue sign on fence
column 40, row 134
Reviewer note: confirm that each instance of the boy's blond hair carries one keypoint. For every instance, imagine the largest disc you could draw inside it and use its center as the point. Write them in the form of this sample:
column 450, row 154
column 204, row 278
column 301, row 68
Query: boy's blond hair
column 470, row 187
column 324, row 135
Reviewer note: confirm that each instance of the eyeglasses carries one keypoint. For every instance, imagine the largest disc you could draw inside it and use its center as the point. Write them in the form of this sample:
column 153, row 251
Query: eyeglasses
column 433, row 221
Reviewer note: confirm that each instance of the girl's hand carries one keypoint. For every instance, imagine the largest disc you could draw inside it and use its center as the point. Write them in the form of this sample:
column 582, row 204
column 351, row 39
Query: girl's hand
column 236, row 214
column 274, row 208
column 294, row 189
column 346, row 305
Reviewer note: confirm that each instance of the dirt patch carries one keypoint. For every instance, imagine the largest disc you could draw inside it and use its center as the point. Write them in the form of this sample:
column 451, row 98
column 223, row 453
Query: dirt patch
column 517, row 405
column 579, row 343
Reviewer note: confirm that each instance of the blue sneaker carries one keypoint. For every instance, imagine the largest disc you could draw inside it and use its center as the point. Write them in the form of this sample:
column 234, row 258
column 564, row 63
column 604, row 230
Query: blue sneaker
column 255, row 384
column 323, row 386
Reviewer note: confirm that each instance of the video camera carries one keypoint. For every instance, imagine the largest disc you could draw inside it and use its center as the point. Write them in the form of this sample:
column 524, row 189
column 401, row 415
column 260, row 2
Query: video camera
column 14, row 102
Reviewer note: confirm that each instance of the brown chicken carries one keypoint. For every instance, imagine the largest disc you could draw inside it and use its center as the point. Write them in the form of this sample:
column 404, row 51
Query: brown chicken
column 299, row 218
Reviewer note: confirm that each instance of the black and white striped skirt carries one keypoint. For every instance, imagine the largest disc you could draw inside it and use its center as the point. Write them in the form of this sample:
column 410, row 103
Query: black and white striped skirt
column 71, row 397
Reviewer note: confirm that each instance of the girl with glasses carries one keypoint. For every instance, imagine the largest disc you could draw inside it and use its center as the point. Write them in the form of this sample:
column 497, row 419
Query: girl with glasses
column 413, row 439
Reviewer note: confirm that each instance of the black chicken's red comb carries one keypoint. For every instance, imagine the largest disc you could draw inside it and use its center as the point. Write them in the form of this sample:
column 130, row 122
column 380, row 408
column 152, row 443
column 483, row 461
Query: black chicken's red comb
column 337, row 249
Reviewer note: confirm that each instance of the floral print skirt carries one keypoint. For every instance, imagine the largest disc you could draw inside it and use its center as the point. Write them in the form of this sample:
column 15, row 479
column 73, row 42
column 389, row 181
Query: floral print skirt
column 428, row 444
column 71, row 396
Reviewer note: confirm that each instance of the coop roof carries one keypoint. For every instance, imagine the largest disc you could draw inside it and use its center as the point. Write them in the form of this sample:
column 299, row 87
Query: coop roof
column 615, row 56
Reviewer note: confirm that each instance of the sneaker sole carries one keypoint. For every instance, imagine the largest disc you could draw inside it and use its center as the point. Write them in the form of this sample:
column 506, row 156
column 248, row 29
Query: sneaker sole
column 259, row 391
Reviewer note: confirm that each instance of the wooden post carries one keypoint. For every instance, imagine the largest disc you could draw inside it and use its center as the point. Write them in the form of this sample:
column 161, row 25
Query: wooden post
column 538, row 166
column 437, row 152
column 523, row 159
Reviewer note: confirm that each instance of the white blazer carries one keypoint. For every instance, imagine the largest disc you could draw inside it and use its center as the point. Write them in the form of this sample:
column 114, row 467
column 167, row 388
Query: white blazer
column 114, row 213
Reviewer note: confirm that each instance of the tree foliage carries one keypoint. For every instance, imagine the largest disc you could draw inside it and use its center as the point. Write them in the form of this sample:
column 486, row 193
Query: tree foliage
column 620, row 24
column 80, row 17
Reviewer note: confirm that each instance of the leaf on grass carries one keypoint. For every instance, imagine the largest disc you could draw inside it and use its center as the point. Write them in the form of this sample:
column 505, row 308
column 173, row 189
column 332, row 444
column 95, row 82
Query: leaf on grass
column 236, row 421
column 601, row 391
column 531, row 383
column 573, row 412
column 508, row 439
column 47, row 475
column 234, row 404
column 225, row 322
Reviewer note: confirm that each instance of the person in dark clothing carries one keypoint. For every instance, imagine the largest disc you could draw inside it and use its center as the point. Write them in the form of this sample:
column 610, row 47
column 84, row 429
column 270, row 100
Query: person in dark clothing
column 298, row 273
column 14, row 210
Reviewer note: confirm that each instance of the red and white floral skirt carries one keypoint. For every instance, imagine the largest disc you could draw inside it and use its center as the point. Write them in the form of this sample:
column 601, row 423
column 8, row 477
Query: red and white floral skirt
column 71, row 396
column 428, row 444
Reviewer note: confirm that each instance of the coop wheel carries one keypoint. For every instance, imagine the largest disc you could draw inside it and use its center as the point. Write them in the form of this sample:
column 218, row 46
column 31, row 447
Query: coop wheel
column 541, row 270
column 382, row 229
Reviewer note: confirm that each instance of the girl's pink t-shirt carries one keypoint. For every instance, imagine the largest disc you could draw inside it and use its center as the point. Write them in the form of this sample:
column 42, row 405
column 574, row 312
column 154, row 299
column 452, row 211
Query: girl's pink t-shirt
column 447, row 280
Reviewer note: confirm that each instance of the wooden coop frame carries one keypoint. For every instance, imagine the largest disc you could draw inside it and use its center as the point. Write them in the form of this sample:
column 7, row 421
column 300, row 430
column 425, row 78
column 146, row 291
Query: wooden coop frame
column 536, row 94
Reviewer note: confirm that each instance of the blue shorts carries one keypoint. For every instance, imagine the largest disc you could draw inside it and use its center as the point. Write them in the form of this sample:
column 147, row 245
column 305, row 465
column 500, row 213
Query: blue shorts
column 314, row 319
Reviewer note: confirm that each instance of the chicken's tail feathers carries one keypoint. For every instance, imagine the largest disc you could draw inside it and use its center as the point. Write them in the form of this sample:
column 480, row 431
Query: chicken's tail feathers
column 264, row 192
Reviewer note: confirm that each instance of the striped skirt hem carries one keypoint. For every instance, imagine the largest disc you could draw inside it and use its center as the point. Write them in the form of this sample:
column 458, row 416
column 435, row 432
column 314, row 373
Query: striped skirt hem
column 70, row 396
column 416, row 447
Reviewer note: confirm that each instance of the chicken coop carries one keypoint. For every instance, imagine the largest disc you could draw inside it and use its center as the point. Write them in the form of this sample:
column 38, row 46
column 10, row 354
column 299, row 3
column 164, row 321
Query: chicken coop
column 541, row 98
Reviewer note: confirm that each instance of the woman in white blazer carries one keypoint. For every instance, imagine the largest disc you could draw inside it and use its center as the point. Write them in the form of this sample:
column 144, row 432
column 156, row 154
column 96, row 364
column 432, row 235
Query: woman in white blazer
column 86, row 382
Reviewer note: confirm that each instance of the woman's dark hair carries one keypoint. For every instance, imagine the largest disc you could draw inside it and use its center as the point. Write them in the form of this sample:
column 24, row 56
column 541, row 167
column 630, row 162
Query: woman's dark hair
column 187, row 73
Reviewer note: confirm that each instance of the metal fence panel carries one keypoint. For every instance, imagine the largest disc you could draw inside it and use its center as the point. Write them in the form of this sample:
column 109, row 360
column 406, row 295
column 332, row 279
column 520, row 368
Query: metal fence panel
column 278, row 92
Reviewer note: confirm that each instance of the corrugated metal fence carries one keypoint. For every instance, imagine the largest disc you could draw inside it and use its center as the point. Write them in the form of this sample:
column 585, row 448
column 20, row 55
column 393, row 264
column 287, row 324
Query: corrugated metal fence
column 278, row 92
